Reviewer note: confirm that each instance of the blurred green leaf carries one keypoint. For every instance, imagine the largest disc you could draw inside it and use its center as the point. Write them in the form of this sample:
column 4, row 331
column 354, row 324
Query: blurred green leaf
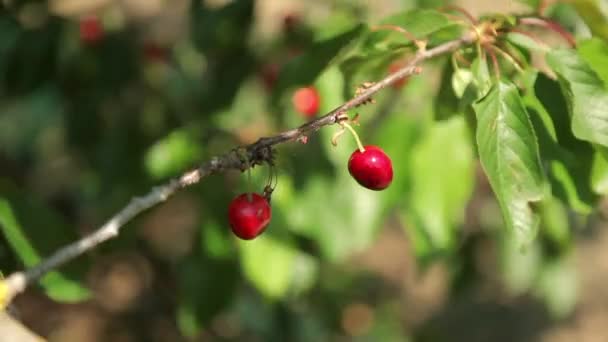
column 558, row 285
column 269, row 264
column 585, row 93
column 555, row 223
column 568, row 159
column 172, row 154
column 519, row 267
column 304, row 69
column 206, row 286
column 531, row 3
column 420, row 23
column 33, row 233
column 481, row 76
column 509, row 154
column 526, row 42
column 436, row 201
column 595, row 52
column 461, row 80
column 595, row 16
column 599, row 174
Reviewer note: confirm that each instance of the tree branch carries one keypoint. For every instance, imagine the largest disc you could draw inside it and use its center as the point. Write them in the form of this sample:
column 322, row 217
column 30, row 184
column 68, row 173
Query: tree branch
column 238, row 159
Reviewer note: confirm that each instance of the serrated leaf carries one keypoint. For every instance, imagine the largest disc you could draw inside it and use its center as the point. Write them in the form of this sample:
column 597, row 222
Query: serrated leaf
column 34, row 232
column 436, row 201
column 586, row 95
column 508, row 151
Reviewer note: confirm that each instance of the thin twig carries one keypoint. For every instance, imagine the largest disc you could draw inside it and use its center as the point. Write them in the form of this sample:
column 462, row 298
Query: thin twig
column 242, row 159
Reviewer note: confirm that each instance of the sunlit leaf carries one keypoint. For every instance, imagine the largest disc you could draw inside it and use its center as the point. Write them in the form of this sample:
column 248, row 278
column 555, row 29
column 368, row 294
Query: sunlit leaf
column 172, row 154
column 585, row 93
column 568, row 159
column 509, row 154
column 595, row 52
column 437, row 202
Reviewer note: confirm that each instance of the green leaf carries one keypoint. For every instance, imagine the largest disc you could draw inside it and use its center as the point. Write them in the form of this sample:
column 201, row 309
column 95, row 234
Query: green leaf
column 174, row 153
column 304, row 69
column 555, row 223
column 595, row 16
column 531, row 3
column 508, row 151
column 599, row 174
column 437, row 202
column 595, row 52
column 273, row 266
column 34, row 232
column 568, row 159
column 423, row 24
column 481, row 76
column 526, row 42
column 460, row 81
column 558, row 285
column 586, row 95
column 519, row 268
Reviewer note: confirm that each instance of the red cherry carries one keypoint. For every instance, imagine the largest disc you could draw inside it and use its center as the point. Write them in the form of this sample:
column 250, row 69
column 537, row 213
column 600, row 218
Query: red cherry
column 306, row 101
column 372, row 169
column 91, row 30
column 394, row 68
column 249, row 215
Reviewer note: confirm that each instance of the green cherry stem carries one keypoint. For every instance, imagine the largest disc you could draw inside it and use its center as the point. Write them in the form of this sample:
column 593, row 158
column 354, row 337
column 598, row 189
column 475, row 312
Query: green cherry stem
column 352, row 130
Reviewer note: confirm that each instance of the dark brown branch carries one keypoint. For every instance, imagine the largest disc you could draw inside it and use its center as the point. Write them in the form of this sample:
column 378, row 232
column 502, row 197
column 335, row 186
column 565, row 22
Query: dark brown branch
column 241, row 158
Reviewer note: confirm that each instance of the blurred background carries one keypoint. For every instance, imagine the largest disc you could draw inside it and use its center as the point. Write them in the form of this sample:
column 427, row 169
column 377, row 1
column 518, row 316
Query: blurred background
column 102, row 99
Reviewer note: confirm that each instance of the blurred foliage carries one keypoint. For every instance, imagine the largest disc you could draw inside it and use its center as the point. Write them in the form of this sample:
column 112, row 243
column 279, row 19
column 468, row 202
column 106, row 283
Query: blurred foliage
column 86, row 125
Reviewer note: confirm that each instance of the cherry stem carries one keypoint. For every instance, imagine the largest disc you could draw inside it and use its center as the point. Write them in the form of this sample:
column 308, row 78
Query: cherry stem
column 352, row 130
column 531, row 36
column 408, row 35
column 508, row 57
column 551, row 25
column 494, row 60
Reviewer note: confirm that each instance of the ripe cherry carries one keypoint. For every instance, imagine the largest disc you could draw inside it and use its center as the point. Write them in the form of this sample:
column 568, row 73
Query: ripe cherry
column 306, row 101
column 372, row 168
column 394, row 68
column 249, row 215
column 91, row 30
